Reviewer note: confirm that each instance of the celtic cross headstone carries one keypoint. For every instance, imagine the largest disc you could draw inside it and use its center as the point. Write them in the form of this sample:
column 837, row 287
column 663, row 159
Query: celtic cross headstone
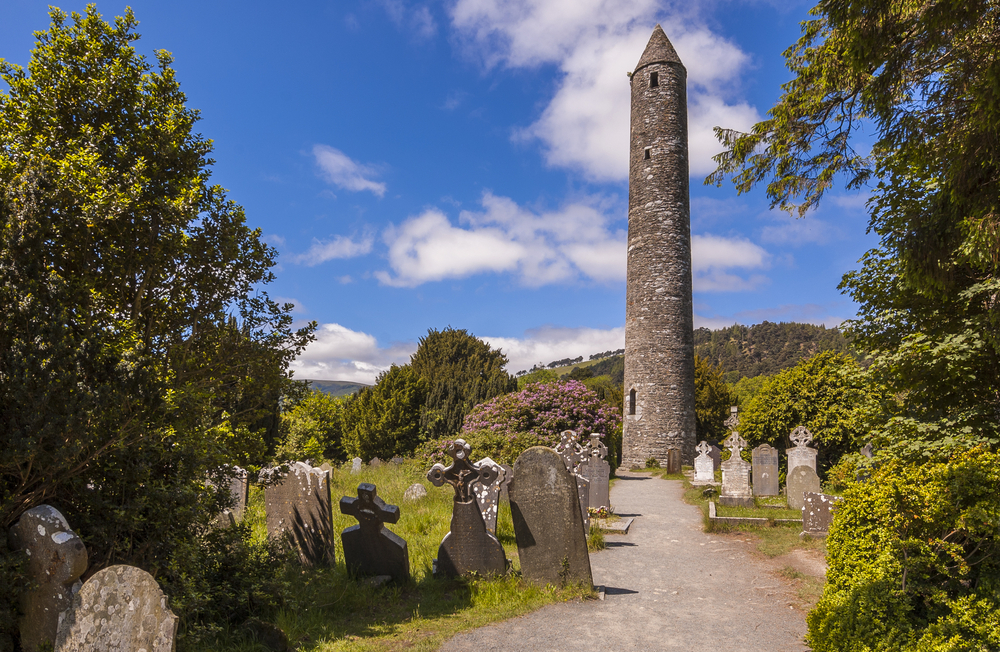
column 371, row 550
column 573, row 454
column 735, row 470
column 704, row 465
column 801, row 455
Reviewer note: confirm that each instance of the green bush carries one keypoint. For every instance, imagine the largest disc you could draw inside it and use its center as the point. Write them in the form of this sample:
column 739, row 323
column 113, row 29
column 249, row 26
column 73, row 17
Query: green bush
column 914, row 560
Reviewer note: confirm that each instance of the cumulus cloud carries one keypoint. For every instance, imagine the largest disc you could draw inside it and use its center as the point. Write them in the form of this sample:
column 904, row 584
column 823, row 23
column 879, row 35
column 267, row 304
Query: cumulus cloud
column 418, row 20
column 713, row 256
column 594, row 43
column 538, row 247
column 543, row 345
column 339, row 247
column 338, row 169
column 339, row 353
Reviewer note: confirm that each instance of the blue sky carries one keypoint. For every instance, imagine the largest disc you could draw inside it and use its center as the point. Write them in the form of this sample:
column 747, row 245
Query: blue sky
column 464, row 163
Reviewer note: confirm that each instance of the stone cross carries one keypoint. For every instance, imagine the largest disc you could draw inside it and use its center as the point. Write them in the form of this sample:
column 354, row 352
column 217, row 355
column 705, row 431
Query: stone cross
column 704, row 466
column 595, row 447
column 468, row 546
column 801, row 455
column 736, row 473
column 733, row 422
column 56, row 560
column 298, row 506
column 119, row 608
column 488, row 493
column 370, row 550
column 572, row 454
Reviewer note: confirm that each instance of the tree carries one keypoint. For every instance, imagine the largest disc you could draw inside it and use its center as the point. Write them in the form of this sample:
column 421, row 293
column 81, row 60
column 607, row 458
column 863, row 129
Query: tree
column 460, row 371
column 311, row 429
column 712, row 400
column 923, row 77
column 384, row 420
column 138, row 352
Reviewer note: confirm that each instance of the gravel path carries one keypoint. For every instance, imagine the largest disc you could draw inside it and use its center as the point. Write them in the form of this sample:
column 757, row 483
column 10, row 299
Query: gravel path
column 670, row 586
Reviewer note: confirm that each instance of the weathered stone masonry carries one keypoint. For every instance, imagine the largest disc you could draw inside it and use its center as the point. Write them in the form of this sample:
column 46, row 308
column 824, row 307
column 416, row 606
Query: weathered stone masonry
column 659, row 329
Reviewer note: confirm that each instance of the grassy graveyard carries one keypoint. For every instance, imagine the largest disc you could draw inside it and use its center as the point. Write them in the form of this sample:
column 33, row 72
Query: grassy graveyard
column 327, row 610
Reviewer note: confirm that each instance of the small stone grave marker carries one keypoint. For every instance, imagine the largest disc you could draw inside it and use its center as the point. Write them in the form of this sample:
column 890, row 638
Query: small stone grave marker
column 801, row 455
column 397, row 460
column 597, row 471
column 415, row 491
column 544, row 503
column 704, row 466
column 375, row 463
column 765, row 471
column 298, row 506
column 119, row 608
column 356, row 464
column 371, row 550
column 800, row 480
column 56, row 560
column 468, row 546
column 735, row 471
column 817, row 513
column 673, row 460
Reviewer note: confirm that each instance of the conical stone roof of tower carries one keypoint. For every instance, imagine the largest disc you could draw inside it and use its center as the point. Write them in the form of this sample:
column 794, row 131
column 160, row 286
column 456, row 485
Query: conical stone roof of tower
column 658, row 50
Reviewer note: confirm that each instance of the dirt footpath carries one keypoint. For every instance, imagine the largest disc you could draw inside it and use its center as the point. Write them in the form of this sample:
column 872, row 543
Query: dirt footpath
column 669, row 586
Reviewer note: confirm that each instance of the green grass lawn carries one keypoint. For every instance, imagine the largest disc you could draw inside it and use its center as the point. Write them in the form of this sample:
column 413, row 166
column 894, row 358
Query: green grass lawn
column 330, row 611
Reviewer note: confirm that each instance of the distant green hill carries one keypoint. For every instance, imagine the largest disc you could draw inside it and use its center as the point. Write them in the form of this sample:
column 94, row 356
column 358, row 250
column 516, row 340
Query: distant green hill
column 335, row 387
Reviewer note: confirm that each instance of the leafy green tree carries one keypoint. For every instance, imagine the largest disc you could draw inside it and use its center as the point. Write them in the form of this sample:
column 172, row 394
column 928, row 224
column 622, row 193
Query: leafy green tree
column 384, row 420
column 746, row 388
column 311, row 429
column 920, row 79
column 460, row 371
column 537, row 376
column 712, row 400
column 138, row 353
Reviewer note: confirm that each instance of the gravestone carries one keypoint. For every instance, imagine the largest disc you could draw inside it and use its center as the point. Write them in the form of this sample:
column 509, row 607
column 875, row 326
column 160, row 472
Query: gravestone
column 863, row 474
column 371, row 550
column 673, row 460
column 468, row 546
column 544, row 503
column 239, row 489
column 326, row 466
column 56, row 560
column 415, row 491
column 375, row 463
column 801, row 455
column 356, row 465
column 572, row 454
column 298, row 506
column 817, row 513
column 119, row 609
column 868, row 451
column 765, row 471
column 397, row 460
column 716, row 455
column 800, row 480
column 488, row 495
column 704, row 466
column 735, row 471
column 597, row 471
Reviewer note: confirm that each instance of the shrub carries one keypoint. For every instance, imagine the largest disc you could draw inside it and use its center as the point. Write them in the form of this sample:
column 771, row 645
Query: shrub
column 914, row 558
column 384, row 420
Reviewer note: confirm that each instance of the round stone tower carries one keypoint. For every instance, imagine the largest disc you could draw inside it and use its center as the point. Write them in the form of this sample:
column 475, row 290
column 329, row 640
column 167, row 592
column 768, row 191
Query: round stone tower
column 659, row 326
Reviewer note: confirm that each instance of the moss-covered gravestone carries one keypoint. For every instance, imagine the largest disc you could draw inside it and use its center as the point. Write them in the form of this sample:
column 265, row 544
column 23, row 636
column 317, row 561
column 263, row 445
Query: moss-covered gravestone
column 370, row 550
column 545, row 505
column 468, row 547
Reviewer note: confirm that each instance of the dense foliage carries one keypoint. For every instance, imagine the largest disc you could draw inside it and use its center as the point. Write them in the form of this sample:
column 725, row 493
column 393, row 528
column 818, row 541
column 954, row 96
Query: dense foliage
column 311, row 429
column 712, row 400
column 384, row 420
column 460, row 371
column 915, row 560
column 137, row 352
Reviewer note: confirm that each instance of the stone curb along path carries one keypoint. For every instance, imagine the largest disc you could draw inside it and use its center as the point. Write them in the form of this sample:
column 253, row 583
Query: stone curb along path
column 668, row 586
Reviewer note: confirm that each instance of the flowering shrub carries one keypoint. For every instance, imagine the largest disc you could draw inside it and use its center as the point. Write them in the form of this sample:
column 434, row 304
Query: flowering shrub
column 504, row 427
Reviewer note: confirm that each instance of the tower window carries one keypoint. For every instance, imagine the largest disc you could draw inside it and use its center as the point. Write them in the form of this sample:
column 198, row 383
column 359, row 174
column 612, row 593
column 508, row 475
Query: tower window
column 631, row 401
column 646, row 153
column 654, row 79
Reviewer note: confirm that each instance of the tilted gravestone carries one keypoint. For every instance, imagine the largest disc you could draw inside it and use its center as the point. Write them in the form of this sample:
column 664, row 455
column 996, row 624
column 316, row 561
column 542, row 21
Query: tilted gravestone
column 56, row 560
column 801, row 455
column 488, row 495
column 544, row 503
column 673, row 464
column 468, row 547
column 119, row 609
column 800, row 480
column 597, row 471
column 704, row 466
column 298, row 506
column 765, row 471
column 572, row 453
column 817, row 513
column 370, row 549
column 735, row 471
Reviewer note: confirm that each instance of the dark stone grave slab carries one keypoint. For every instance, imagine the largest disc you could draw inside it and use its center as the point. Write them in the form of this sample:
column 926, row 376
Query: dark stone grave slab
column 468, row 546
column 370, row 549
column 545, row 505
column 298, row 506
column 673, row 464
column 817, row 513
column 716, row 454
column 765, row 471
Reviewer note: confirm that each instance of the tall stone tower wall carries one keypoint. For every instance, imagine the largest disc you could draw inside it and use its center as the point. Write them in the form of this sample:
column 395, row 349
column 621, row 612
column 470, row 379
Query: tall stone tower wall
column 659, row 328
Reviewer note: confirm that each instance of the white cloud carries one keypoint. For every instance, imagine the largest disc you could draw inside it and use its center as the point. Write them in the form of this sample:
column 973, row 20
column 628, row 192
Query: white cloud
column 594, row 43
column 339, row 247
column 338, row 353
column 539, row 247
column 543, row 345
column 791, row 230
column 712, row 256
column 338, row 168
column 418, row 20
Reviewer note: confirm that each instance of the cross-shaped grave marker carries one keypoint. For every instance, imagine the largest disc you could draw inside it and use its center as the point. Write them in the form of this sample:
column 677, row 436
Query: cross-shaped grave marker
column 572, row 453
column 369, row 548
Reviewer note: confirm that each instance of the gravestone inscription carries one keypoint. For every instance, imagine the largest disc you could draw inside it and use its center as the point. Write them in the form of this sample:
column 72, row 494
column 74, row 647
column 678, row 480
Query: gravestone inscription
column 56, row 560
column 119, row 609
column 468, row 546
column 370, row 549
column 704, row 466
column 800, row 480
column 544, row 503
column 298, row 506
column 765, row 471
